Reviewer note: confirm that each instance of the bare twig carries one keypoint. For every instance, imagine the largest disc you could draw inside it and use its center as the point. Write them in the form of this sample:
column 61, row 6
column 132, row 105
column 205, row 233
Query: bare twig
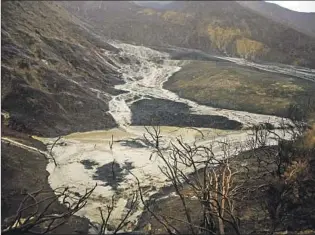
column 21, row 224
column 51, row 149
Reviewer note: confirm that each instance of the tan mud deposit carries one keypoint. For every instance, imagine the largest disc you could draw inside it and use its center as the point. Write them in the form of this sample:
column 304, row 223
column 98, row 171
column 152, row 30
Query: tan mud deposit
column 83, row 160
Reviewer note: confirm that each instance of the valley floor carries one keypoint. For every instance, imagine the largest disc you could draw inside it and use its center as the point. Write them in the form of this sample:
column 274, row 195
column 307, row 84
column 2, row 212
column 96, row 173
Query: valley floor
column 231, row 86
column 113, row 157
column 86, row 158
column 59, row 77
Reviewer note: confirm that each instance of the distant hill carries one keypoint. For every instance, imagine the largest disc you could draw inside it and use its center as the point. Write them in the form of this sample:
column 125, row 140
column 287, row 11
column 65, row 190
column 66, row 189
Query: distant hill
column 155, row 4
column 300, row 21
column 221, row 27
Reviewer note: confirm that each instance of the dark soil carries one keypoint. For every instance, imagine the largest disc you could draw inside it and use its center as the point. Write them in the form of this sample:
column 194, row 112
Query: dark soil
column 89, row 164
column 230, row 86
column 254, row 217
column 112, row 173
column 49, row 70
column 25, row 171
column 134, row 143
column 168, row 113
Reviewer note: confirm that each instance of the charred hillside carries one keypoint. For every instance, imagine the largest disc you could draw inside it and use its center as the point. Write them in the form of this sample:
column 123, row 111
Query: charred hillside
column 226, row 28
column 53, row 68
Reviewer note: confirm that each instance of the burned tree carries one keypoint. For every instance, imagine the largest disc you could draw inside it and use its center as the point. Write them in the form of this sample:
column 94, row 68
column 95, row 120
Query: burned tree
column 209, row 179
column 124, row 221
column 224, row 178
column 154, row 138
column 35, row 213
column 35, row 216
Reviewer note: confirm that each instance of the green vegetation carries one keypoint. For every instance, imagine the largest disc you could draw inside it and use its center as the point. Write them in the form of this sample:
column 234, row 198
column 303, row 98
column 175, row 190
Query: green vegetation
column 226, row 85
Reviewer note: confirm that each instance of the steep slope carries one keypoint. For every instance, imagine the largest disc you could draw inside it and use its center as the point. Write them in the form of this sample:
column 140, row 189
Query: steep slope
column 242, row 32
column 224, row 27
column 55, row 77
column 58, row 76
column 302, row 22
column 25, row 171
column 94, row 11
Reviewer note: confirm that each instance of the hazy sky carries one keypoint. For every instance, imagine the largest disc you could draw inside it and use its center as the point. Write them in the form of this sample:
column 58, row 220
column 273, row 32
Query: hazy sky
column 302, row 6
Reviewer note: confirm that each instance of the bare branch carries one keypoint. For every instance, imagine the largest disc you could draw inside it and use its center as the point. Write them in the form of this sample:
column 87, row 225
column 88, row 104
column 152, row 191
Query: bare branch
column 21, row 224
